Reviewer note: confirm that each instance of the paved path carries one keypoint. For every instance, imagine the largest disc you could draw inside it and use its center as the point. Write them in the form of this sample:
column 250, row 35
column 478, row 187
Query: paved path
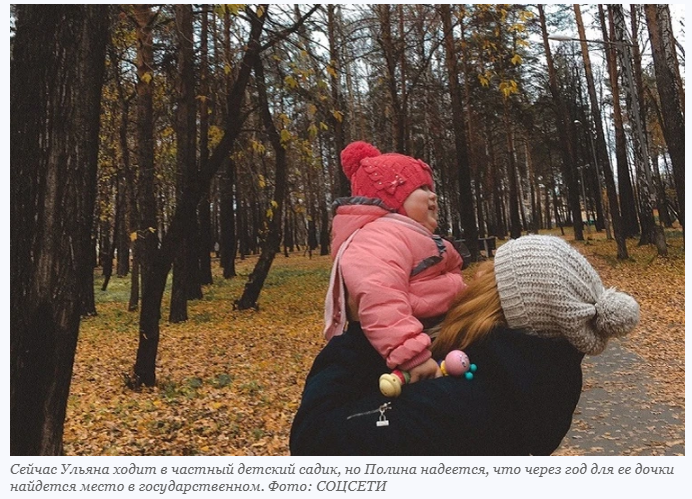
column 617, row 414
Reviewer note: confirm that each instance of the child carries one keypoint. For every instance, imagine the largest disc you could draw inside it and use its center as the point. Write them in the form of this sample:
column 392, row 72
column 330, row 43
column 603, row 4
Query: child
column 391, row 274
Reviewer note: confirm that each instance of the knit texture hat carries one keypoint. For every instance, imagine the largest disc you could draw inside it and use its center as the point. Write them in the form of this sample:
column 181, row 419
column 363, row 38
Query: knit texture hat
column 547, row 287
column 390, row 177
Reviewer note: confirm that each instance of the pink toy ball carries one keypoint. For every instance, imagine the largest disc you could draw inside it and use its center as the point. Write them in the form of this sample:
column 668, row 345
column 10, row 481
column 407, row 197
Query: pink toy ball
column 457, row 363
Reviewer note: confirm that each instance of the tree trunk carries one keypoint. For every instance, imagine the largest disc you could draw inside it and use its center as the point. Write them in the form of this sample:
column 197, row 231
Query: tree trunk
column 186, row 262
column 343, row 187
column 386, row 42
column 147, row 235
column 56, row 76
column 230, row 205
column 564, row 131
column 628, row 211
column 126, row 192
column 121, row 243
column 665, row 59
column 601, row 148
column 324, row 229
column 108, row 251
column 514, row 222
column 467, row 212
column 206, row 238
column 641, row 156
column 228, row 227
column 255, row 282
column 88, row 301
column 648, row 236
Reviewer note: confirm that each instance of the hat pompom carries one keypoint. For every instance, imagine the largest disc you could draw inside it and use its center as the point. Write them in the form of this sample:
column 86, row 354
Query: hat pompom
column 354, row 153
column 617, row 313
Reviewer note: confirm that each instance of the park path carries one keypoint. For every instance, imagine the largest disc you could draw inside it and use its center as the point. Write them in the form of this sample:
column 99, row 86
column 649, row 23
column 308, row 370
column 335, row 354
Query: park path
column 618, row 413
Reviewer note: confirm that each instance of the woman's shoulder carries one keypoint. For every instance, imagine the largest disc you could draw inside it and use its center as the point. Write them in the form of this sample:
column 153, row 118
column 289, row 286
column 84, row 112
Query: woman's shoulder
column 526, row 353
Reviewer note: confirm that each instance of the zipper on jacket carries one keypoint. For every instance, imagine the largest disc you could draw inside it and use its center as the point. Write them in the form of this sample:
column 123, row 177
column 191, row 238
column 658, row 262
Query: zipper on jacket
column 382, row 420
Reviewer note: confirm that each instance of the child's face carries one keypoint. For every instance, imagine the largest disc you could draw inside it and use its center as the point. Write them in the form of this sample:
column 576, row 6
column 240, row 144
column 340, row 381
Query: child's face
column 421, row 205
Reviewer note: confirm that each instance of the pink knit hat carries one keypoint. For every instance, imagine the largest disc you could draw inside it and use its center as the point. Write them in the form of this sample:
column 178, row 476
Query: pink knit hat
column 390, row 177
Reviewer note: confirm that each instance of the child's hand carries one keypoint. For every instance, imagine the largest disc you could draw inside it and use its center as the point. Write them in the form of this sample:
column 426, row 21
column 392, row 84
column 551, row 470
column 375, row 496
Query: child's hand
column 427, row 370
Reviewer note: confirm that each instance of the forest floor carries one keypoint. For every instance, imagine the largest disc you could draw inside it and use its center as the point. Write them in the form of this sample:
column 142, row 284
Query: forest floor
column 229, row 382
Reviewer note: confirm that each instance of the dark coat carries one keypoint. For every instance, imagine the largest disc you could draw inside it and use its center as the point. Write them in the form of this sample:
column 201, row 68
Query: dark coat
column 520, row 401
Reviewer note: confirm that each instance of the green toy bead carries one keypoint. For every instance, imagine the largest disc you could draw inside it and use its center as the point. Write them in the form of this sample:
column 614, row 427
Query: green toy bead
column 468, row 375
column 473, row 368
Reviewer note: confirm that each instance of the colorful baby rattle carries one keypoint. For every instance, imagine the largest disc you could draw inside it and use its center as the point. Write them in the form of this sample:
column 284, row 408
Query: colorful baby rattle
column 456, row 363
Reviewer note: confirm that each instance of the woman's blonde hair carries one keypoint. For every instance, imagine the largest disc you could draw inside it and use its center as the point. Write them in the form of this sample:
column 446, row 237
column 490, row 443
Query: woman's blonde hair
column 473, row 314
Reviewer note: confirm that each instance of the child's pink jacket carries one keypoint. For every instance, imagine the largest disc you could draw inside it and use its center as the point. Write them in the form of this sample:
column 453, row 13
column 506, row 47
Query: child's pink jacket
column 396, row 272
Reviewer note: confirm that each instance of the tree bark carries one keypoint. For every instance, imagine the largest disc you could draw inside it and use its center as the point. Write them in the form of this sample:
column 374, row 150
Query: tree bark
column 467, row 211
column 514, row 222
column 56, row 77
column 665, row 59
column 343, row 187
column 230, row 204
column 186, row 262
column 641, row 155
column 147, row 235
column 564, row 131
column 228, row 226
column 206, row 238
column 601, row 147
column 272, row 242
column 628, row 211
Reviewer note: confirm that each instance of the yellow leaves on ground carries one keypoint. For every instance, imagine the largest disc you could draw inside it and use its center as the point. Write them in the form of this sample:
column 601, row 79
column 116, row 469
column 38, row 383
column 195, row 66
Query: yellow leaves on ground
column 658, row 284
column 229, row 382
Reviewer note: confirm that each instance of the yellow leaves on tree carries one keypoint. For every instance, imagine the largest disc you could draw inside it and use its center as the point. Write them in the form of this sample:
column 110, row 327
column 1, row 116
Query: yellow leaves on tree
column 291, row 82
column 233, row 9
column 257, row 147
column 273, row 205
column 332, row 72
column 508, row 88
column 286, row 137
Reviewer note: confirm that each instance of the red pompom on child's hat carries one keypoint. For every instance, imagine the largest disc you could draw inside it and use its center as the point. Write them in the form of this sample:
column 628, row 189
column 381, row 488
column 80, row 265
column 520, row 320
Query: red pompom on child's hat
column 352, row 155
column 389, row 177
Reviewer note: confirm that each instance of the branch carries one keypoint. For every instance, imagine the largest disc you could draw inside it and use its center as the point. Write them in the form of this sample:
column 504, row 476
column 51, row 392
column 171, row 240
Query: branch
column 283, row 34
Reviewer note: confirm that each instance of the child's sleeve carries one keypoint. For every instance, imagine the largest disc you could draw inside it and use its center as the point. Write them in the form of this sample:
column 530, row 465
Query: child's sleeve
column 432, row 297
column 376, row 270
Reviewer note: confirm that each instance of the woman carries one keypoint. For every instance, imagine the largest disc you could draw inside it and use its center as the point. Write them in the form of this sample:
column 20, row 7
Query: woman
column 526, row 322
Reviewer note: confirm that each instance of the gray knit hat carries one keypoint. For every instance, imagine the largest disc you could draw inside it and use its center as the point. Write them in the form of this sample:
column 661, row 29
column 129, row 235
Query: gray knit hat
column 548, row 288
